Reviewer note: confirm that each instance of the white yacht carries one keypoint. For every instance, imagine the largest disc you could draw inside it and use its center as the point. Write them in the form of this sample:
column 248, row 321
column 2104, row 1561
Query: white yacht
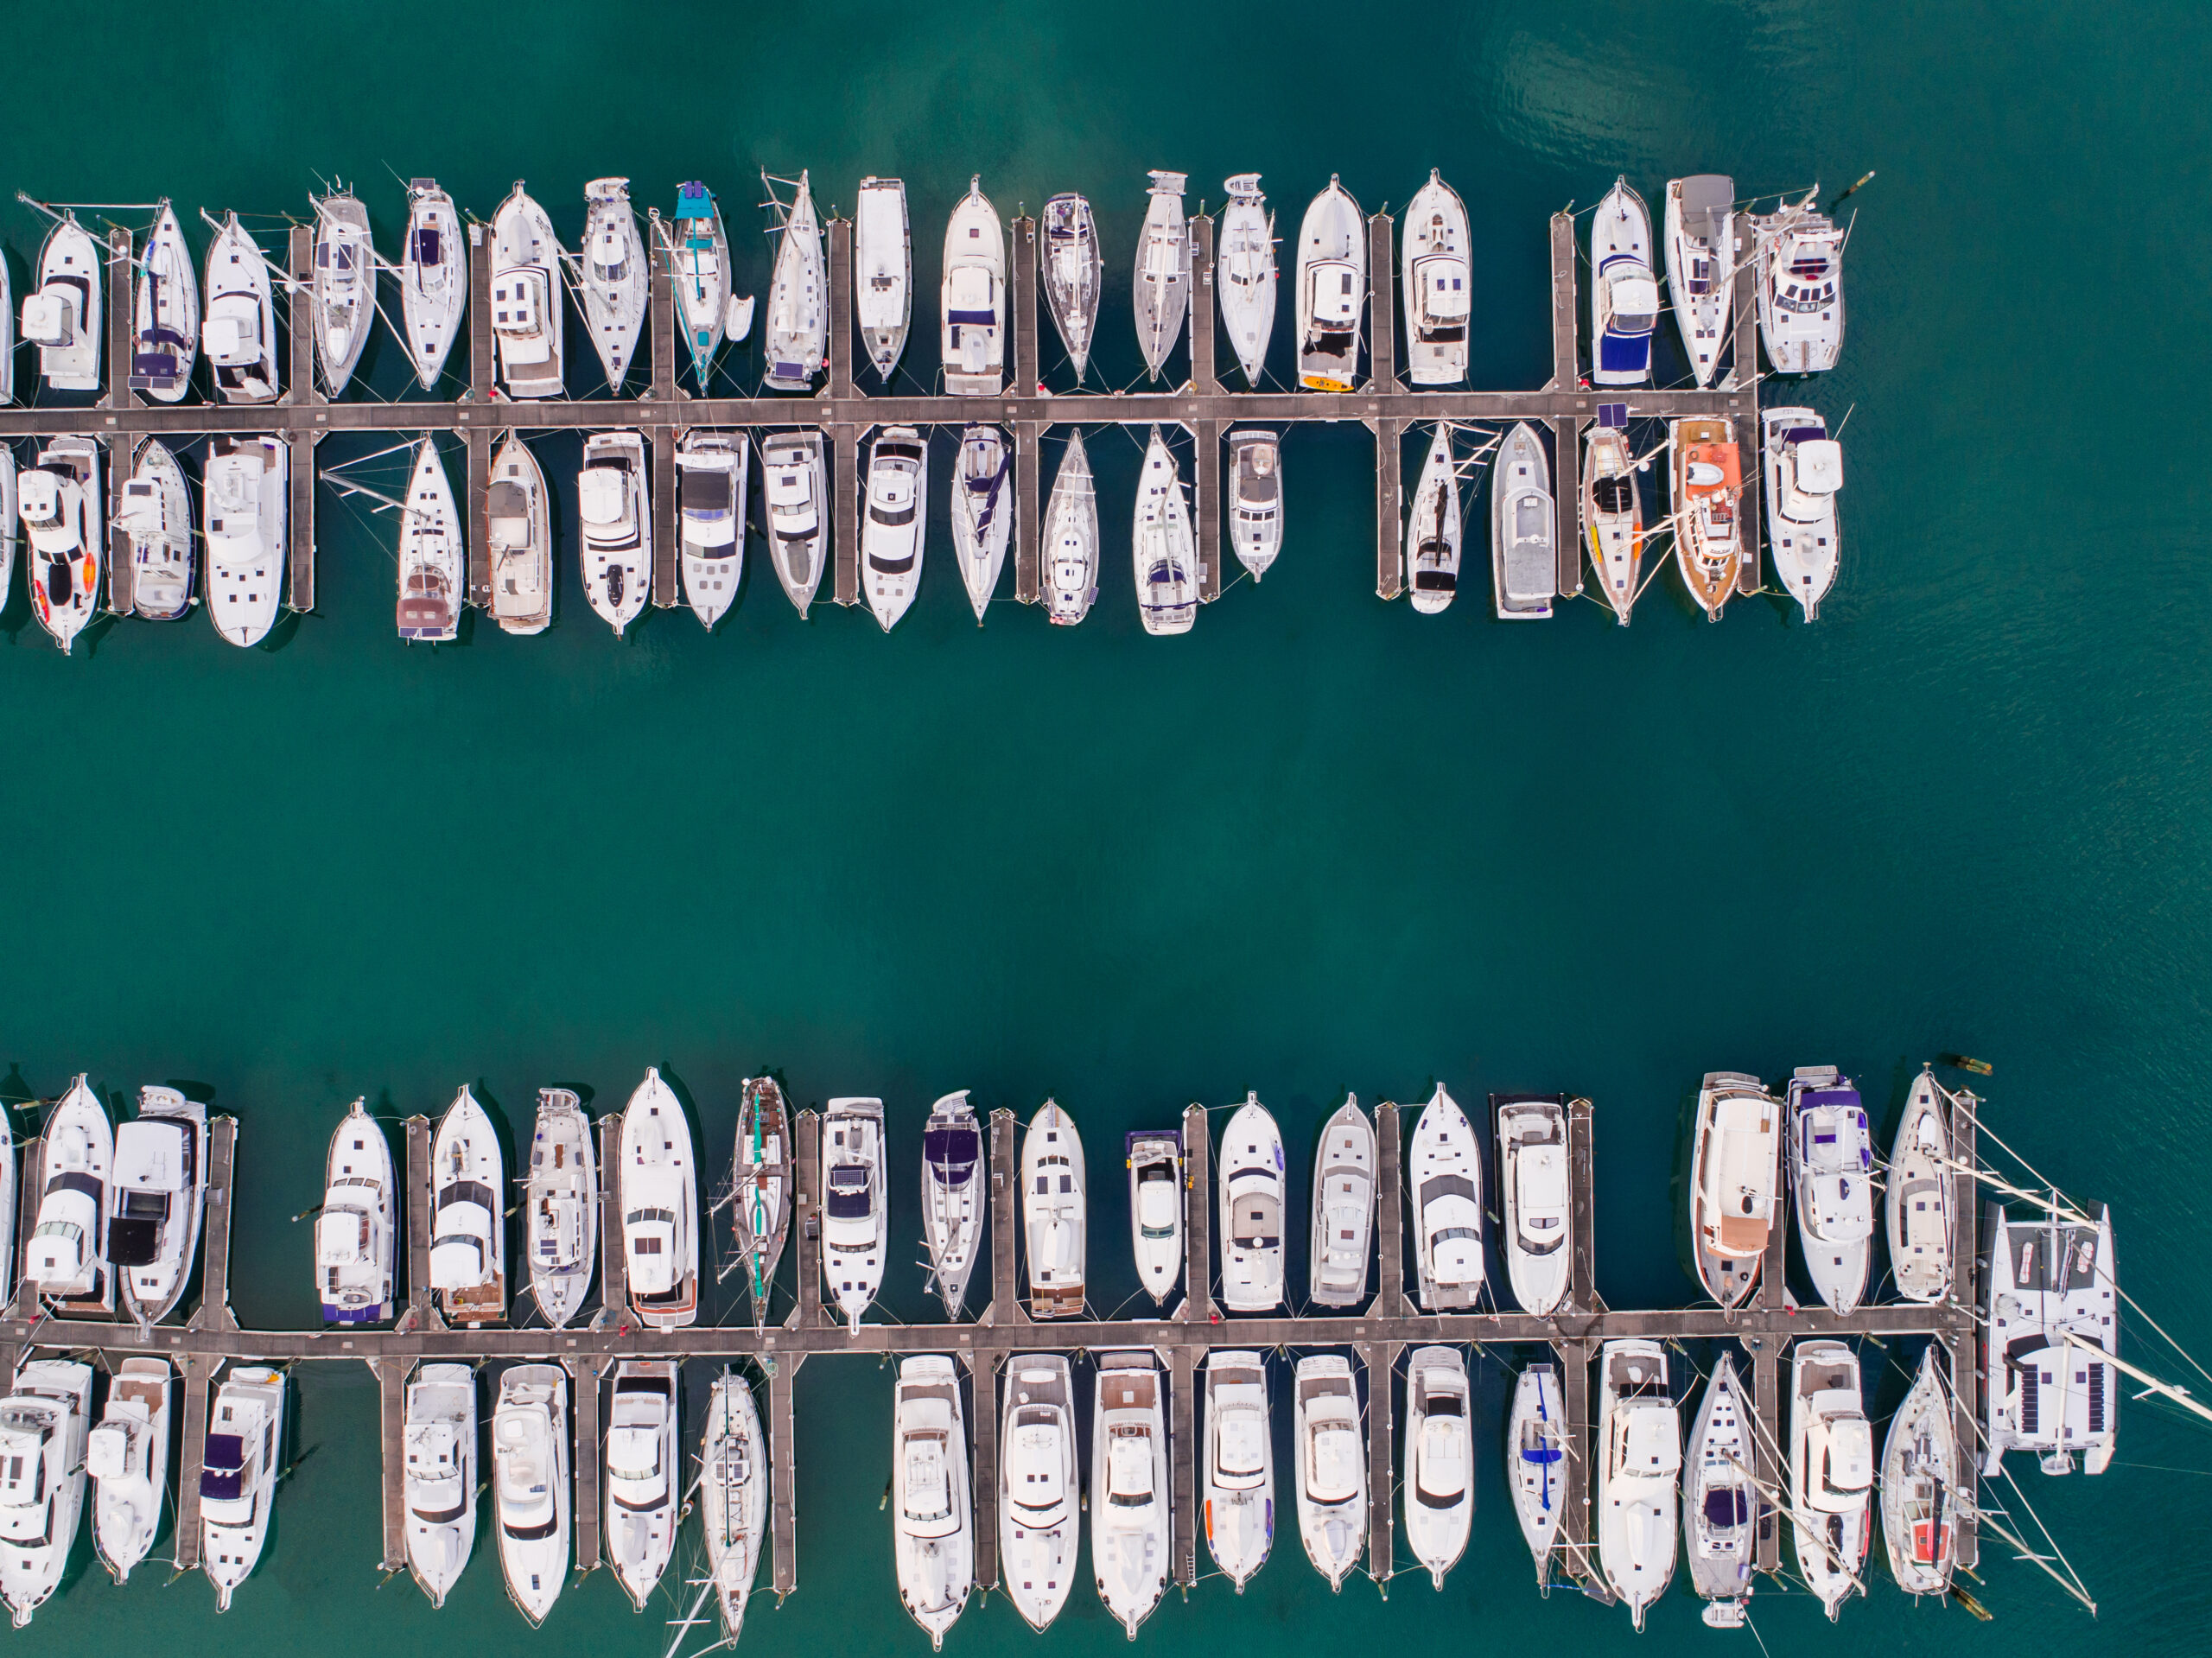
column 1702, row 266
column 973, row 296
column 433, row 279
column 1332, row 1446
column 1154, row 1156
column 1164, row 550
column 1536, row 1445
column 1804, row 472
column 660, row 1194
column 1344, row 1208
column 1331, row 290
column 1440, row 1472
column 1639, row 1457
column 156, row 1200
column 438, row 1432
column 1252, row 1190
column 244, row 505
column 343, row 291
column 796, row 484
column 1073, row 273
column 1255, row 498
column 1041, row 1499
column 528, row 304
column 1054, row 1213
column 1624, row 293
column 2051, row 1309
column 1439, row 284
column 156, row 518
column 953, row 1200
column 1539, row 1217
column 239, row 333
column 645, row 1490
column 893, row 533
column 1244, row 274
column 1239, row 1494
column 1917, row 1199
column 63, row 317
column 1831, row 1160
column 983, row 508
column 883, row 272
column 733, row 1496
column 797, row 333
column 238, row 1486
column 1162, row 286
column 165, row 312
column 1707, row 480
column 61, row 502
column 43, row 1422
column 1799, row 251
column 1444, row 1178
column 1831, row 1470
column 1433, row 530
column 530, row 1485
column 711, row 472
column 933, row 1505
column 561, row 1206
column 1924, row 1487
column 1129, row 1519
column 853, row 1235
column 1613, row 512
column 520, row 540
column 356, row 1236
column 66, row 1257
column 1071, row 551
column 128, row 1458
column 468, row 1230
column 1735, row 1183
column 1524, row 566
column 614, row 278
column 1720, row 1499
column 760, row 1188
column 618, row 539
column 699, row 270
column 432, row 564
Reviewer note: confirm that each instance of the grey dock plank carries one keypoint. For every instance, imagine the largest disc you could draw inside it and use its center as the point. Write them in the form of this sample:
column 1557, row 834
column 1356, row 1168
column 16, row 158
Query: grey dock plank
column 666, row 581
column 421, row 1305
column 1204, row 378
column 198, row 1382
column 122, row 317
column 583, row 1388
column 1566, row 492
column 843, row 320
column 1766, row 1400
column 1741, row 383
column 1379, row 1360
column 301, row 389
column 783, row 1488
column 1183, row 1451
column 299, row 568
column 483, row 359
column 1576, row 1533
column 806, row 1224
column 844, row 490
column 1390, row 509
column 983, row 1459
column 478, row 442
column 213, row 1313
column 1966, row 1260
column 1024, row 304
column 1390, row 1215
column 1006, row 1273
column 122, row 570
column 1029, row 507
column 1382, row 290
column 1197, row 1217
column 391, row 1418
column 1567, row 373
column 614, row 1263
column 22, row 1311
column 1207, row 467
column 1582, row 1185
column 661, row 326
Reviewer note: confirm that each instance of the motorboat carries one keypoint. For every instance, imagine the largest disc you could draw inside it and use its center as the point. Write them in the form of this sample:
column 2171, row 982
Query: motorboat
column 165, row 312
column 1709, row 534
column 561, row 1206
column 62, row 318
column 237, row 1482
column 1535, row 1448
column 645, row 1492
column 432, row 564
column 733, row 1497
column 1433, row 530
column 1073, row 273
column 1244, row 274
column 1439, row 284
column 528, row 304
column 128, row 1458
column 342, row 293
column 660, row 1194
column 983, row 509
column 1831, row 1470
column 1702, row 266
column 1054, row 1213
column 893, row 533
column 1624, row 293
column 1524, row 565
column 356, row 1234
column 1831, row 1157
column 852, row 1229
column 797, row 334
column 1255, row 498
column 1164, row 550
column 1332, row 1456
column 618, row 539
column 1129, row 1522
column 530, row 1485
column 1804, row 471
column 1639, row 1457
column 613, row 278
column 1735, row 1183
column 760, row 1188
column 1444, row 1178
column 438, row 1434
column 1252, row 1191
column 1439, row 1491
column 1344, row 1208
column 1612, row 512
column 794, row 485
column 1918, row 1201
column 239, row 333
column 883, row 272
column 468, row 1229
column 1923, row 1485
column 1154, row 1156
column 2050, row 1313
column 1721, row 1507
column 697, row 246
column 67, row 1256
column 1041, row 1499
column 156, row 518
column 952, row 1197
column 1539, row 1216
column 60, row 503
column 43, row 1427
column 1240, row 1465
column 1071, row 552
column 156, row 1200
column 1799, row 253
column 1161, row 287
column 711, row 473
column 933, row 1506
column 973, row 296
column 520, row 540
column 433, row 279
column 1331, row 290
column 244, row 505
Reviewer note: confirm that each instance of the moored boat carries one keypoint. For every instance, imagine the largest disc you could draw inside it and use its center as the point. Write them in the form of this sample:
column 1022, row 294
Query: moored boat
column 1440, row 1468
column 561, row 1206
column 883, row 272
column 733, row 1497
column 1255, row 498
column 1343, row 1207
column 1923, row 1485
column 468, row 1232
column 1040, row 1498
column 155, row 1201
column 1831, row 1160
column 1239, row 1494
column 237, row 1484
column 60, row 503
column 1331, row 1463
column 711, row 472
column 530, row 1485
column 1438, row 283
column 1639, row 1453
column 613, row 278
column 356, row 1241
column 1708, row 533
column 1612, row 510
column 1245, row 278
column 1536, row 1449
column 528, row 303
column 760, row 1188
column 794, row 485
column 1804, row 471
column 798, row 328
column 1163, row 549
column 1800, row 254
column 1154, row 1156
column 644, row 1492
column 432, row 563
column 1444, row 1178
column 984, row 508
column 1735, row 1183
column 974, row 298
column 156, row 518
column 933, row 1509
column 617, row 550
column 1073, row 273
column 1071, row 549
column 128, row 1458
column 1917, row 1199
column 853, row 1228
column 1539, row 1214
column 66, row 1257
column 244, row 505
column 1434, row 529
column 1160, row 290
column 660, row 1194
column 1702, row 266
column 1624, row 293
column 697, row 247
column 1130, row 1526
column 433, row 279
column 62, row 317
column 1054, row 1213
column 893, row 531
column 1524, row 567
column 343, row 291
column 165, row 312
column 438, row 1432
column 1331, row 290
column 2049, row 1305
column 1720, row 1498
column 239, row 331
column 952, row 1197
column 44, row 1422
column 1252, row 1191
column 1831, row 1470
column 520, row 540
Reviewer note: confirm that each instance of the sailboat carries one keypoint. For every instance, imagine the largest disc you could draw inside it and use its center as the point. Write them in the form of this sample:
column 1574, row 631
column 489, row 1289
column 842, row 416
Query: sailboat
column 1799, row 251
column 520, row 540
column 530, row 1485
column 561, row 1206
column 797, row 331
column 659, row 1195
column 1444, row 1179
column 43, row 1427
column 240, row 330
column 62, row 318
column 128, row 1458
column 1523, row 566
column 433, row 279
column 1702, row 266
column 952, row 1197
column 1438, row 283
column 1922, row 1485
column 1331, row 290
column 1331, row 1461
column 1040, row 1498
column 893, row 531
column 1162, row 548
column 1639, row 1453
column 760, row 1187
column 165, row 312
column 615, row 280
column 1255, row 498
column 1245, row 275
column 795, row 485
column 1831, row 1470
column 356, row 1241
column 711, row 473
column 1252, row 1191
column 60, row 501
column 1054, row 1213
column 643, row 1492
column 468, row 1230
column 66, row 1257
column 1161, row 287
column 733, row 1497
column 852, row 1229
column 1708, row 534
column 1154, row 1157
column 244, row 506
column 1918, row 1199
column 1624, row 293
column 1439, row 1467
column 698, row 267
column 973, row 297
column 432, row 563
column 438, row 1432
column 1831, row 1160
column 617, row 550
column 883, row 272
column 1071, row 549
column 1539, row 1217
column 1073, row 273
column 1613, row 512
column 528, row 303
column 1720, row 1498
column 156, row 518
column 983, row 506
column 1343, row 1207
column 1535, row 1448
column 156, row 1200
column 1735, row 1183
column 1804, row 471
column 1130, row 1526
column 343, row 292
column 1433, row 530
column 238, row 1486
column 1239, row 1495
column 933, row 1509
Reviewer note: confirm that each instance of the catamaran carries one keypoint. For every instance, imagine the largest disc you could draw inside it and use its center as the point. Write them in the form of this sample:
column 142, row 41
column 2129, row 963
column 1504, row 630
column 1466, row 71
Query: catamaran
column 128, row 1458
column 66, row 1257
column 933, row 1523
column 1331, row 1460
column 1539, row 1229
column 952, row 1197
column 614, row 278
column 883, row 272
column 1343, row 1207
column 1129, row 1527
column 1708, row 534
column 853, row 1235
column 1163, row 549
column 1536, row 1447
column 795, row 483
column 1438, row 283
column 520, row 540
column 1614, row 512
column 343, row 291
column 1433, row 530
column 156, row 518
column 1162, row 286
column 973, row 297
column 1831, row 1470
column 43, row 1423
column 893, row 533
column 1252, row 1191
column 697, row 247
column 1639, row 1455
column 1702, row 266
column 760, row 1187
column 1735, row 1183
column 983, row 507
column 1523, row 566
column 1440, row 1468
column 1800, row 254
column 1444, row 1178
column 1831, row 1183
column 528, row 304
column 238, row 1486
column 156, row 1200
column 1070, row 550
column 244, row 507
column 165, row 312
column 1073, row 273
column 1041, row 1499
column 1154, row 1156
column 1240, row 1465
column 240, row 331
column 1255, row 498
column 616, row 552
column 1804, row 471
column 468, row 1230
column 1623, row 295
column 1720, row 1498
column 733, row 1496
column 797, row 333
column 1244, row 274
column 2051, row 1313
column 644, row 1492
column 433, row 279
column 1054, row 1213
column 530, row 1485
column 561, row 1206
column 61, row 503
column 356, row 1243
column 1331, row 290
column 1918, row 1201
column 659, row 1195
column 432, row 564
column 438, row 1433
column 711, row 471
column 63, row 317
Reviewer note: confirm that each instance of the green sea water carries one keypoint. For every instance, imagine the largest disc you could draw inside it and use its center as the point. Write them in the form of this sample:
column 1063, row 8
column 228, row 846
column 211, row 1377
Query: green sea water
column 1319, row 845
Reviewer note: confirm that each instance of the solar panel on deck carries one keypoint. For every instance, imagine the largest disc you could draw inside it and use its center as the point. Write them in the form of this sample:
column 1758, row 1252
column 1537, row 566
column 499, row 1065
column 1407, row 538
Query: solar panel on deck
column 1614, row 415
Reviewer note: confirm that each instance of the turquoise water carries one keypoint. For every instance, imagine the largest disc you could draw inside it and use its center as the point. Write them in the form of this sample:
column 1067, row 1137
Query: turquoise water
column 1319, row 845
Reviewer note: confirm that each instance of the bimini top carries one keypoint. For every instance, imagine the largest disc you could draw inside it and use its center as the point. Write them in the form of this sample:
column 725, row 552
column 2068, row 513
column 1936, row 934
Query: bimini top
column 1708, row 200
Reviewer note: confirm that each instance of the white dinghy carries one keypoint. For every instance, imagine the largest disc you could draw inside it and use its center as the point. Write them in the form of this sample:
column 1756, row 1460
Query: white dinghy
column 1154, row 1156
column 1439, row 284
column 165, row 312
column 156, row 518
column 712, row 469
column 1161, row 287
column 433, row 279
column 1073, row 273
column 613, row 277
column 1163, row 549
column 1434, row 529
column 1040, row 1498
column 883, row 272
column 1071, row 549
column 433, row 566
column 1439, row 1469
column 128, row 1458
column 244, row 505
column 1917, row 1199
column 343, row 291
column 617, row 553
column 974, row 298
column 1344, row 1208
column 1804, row 471
column 933, row 1506
column 561, row 1206
column 1245, row 276
column 1240, row 1465
column 1720, row 1498
column 983, row 507
column 1252, row 1191
column 1130, row 1527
